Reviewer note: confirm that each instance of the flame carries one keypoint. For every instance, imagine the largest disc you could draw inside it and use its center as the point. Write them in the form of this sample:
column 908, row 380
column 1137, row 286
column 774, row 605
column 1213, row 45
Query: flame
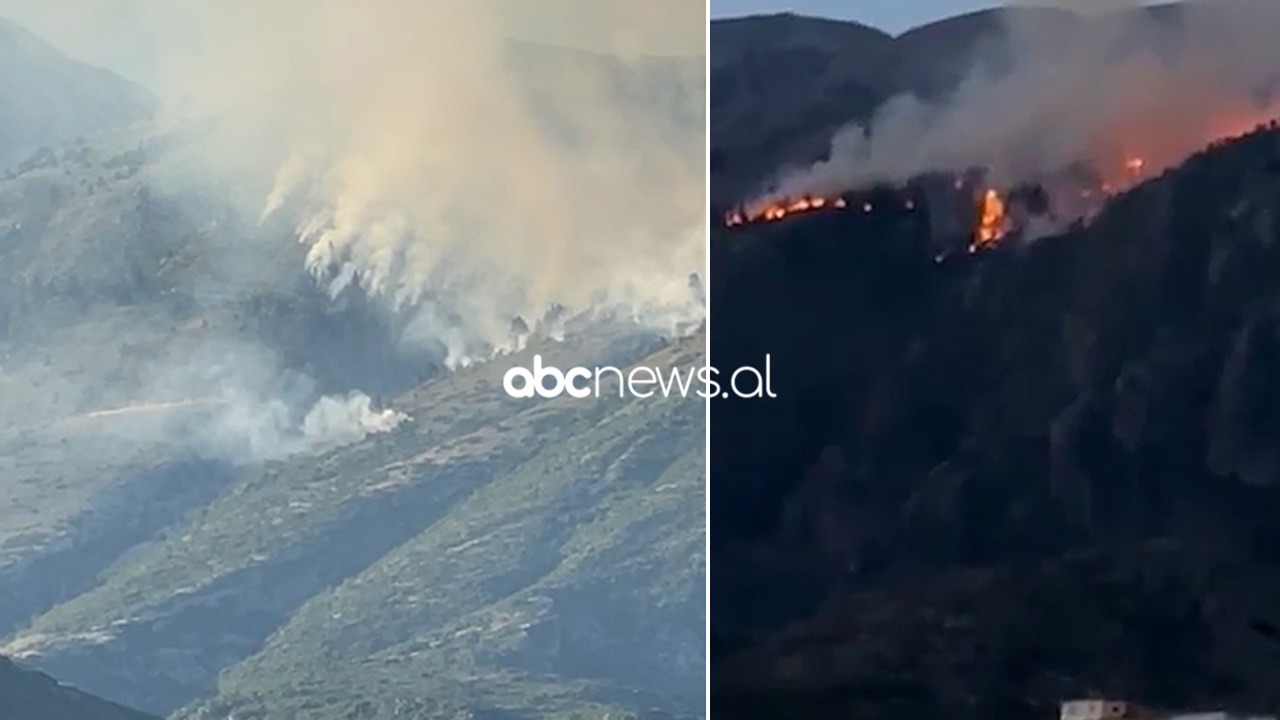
column 1147, row 141
column 777, row 210
column 991, row 221
column 1123, row 176
column 1120, row 158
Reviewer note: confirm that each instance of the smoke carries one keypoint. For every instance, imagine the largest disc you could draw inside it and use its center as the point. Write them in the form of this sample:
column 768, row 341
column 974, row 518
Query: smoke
column 463, row 166
column 1102, row 84
column 268, row 428
column 226, row 399
column 350, row 417
column 424, row 158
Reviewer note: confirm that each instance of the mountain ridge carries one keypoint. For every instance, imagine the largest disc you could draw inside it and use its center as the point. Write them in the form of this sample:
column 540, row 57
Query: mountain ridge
column 786, row 83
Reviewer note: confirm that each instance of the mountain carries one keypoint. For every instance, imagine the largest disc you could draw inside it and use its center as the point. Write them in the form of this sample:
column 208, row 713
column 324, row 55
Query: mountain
column 27, row 695
column 782, row 81
column 229, row 494
column 783, row 84
column 517, row 555
column 993, row 481
column 48, row 99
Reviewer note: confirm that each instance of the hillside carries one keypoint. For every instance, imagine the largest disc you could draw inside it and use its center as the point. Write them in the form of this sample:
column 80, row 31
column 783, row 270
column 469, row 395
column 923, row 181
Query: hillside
column 228, row 494
column 1001, row 479
column 27, row 695
column 782, row 85
column 478, row 546
column 48, row 99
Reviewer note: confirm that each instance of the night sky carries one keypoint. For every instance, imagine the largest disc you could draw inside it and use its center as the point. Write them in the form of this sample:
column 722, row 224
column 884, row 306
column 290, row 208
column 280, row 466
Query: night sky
column 891, row 15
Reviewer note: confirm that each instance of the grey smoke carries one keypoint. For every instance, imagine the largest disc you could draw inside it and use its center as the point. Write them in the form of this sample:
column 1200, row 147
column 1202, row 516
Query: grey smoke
column 1114, row 83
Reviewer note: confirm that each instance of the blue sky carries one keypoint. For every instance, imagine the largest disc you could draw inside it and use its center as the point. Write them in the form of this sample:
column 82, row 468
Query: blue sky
column 891, row 15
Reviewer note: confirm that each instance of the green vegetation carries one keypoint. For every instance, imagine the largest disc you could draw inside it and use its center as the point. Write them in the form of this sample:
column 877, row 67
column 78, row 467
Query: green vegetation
column 539, row 557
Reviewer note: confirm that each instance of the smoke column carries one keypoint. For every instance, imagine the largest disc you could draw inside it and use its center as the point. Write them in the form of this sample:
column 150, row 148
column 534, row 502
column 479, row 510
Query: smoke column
column 460, row 163
column 1099, row 84
column 424, row 155
column 424, row 158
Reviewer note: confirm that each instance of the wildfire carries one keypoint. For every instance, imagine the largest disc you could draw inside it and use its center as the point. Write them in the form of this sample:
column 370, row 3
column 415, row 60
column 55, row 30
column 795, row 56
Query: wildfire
column 991, row 221
column 1120, row 164
column 1123, row 177
column 778, row 210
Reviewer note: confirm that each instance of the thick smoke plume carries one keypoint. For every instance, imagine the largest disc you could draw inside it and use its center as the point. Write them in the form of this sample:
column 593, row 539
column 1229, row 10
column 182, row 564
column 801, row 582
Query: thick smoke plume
column 424, row 158
column 1107, row 87
column 466, row 167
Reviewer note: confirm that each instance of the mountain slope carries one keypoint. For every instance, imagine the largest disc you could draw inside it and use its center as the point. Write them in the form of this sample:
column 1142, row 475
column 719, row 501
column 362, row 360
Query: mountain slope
column 48, row 99
column 782, row 85
column 173, row 533
column 562, row 587
column 27, row 695
column 1000, row 479
column 552, row 533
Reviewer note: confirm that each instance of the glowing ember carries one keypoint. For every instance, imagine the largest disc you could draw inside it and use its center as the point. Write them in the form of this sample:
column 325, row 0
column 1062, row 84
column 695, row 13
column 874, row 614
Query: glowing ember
column 775, row 211
column 991, row 221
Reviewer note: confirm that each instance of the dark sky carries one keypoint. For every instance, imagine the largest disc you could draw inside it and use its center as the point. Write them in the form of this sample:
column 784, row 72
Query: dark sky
column 891, row 15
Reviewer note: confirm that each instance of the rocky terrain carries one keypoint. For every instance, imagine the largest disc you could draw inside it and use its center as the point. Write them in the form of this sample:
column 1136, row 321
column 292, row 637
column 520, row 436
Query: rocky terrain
column 226, row 493
column 993, row 481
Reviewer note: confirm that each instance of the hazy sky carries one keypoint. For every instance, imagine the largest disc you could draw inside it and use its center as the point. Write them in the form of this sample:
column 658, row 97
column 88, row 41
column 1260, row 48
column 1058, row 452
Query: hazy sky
column 890, row 15
column 126, row 36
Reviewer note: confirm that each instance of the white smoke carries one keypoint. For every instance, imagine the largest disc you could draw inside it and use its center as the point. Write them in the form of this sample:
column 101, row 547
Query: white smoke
column 236, row 404
column 347, row 419
column 419, row 155
column 1100, row 86
column 246, row 430
column 462, row 162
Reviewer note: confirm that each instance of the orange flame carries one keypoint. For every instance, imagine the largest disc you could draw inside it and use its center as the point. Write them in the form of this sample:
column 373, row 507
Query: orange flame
column 1123, row 156
column 774, row 211
column 991, row 221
